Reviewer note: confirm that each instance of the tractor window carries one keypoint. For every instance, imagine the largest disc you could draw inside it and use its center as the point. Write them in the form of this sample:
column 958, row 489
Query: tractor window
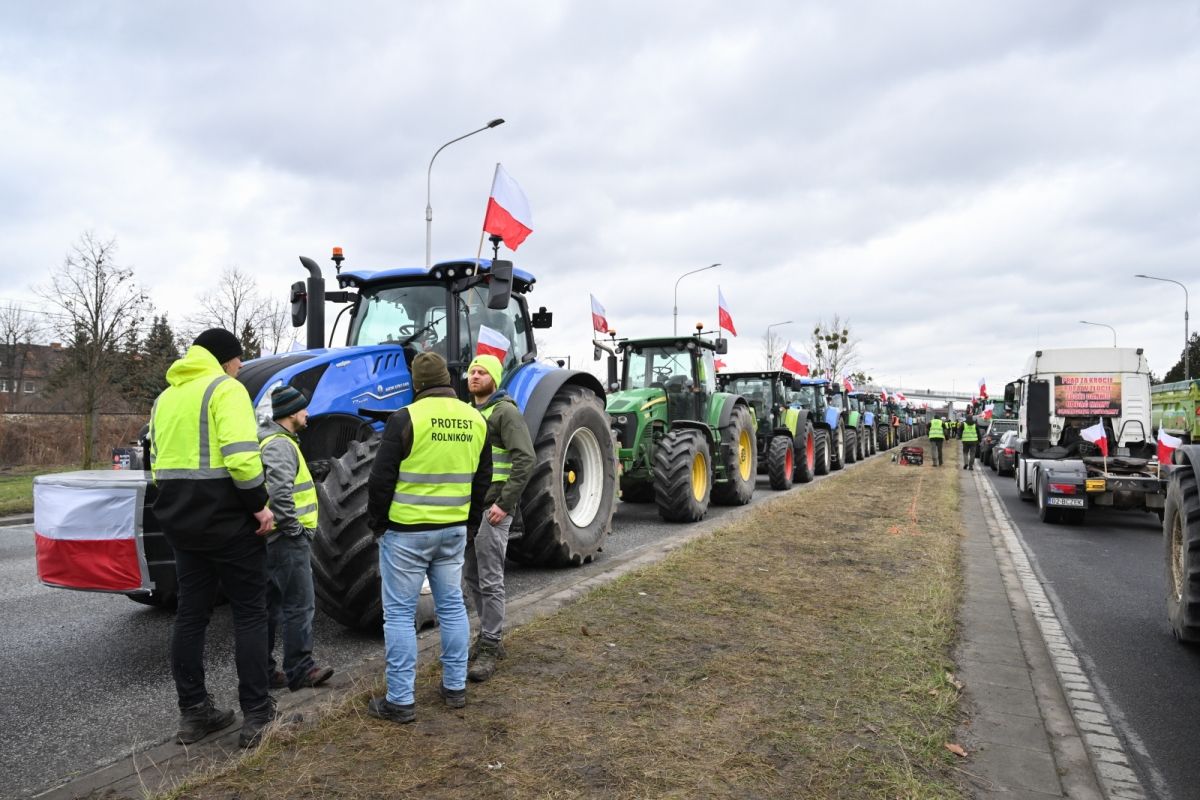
column 509, row 323
column 757, row 392
column 658, row 367
column 411, row 315
column 707, row 372
column 806, row 396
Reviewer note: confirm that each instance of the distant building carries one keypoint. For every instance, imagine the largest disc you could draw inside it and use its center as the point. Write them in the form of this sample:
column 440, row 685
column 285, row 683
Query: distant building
column 25, row 371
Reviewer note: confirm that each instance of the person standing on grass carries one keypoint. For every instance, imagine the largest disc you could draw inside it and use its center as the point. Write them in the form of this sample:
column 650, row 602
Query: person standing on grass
column 970, row 441
column 431, row 468
column 487, row 530
column 936, row 439
column 212, row 506
column 290, row 599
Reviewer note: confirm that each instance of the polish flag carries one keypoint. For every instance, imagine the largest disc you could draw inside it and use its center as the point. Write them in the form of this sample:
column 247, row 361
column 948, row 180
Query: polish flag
column 900, row 396
column 1167, row 444
column 983, row 388
column 492, row 343
column 86, row 538
column 846, row 382
column 599, row 320
column 723, row 317
column 508, row 215
column 719, row 364
column 883, row 395
column 1097, row 436
column 793, row 361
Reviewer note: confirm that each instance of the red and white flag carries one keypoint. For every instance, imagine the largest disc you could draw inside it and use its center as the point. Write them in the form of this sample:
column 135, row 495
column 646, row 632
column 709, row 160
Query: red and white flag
column 492, row 343
column 846, row 382
column 1097, row 436
column 1167, row 444
column 599, row 320
column 883, row 394
column 983, row 388
column 794, row 361
column 87, row 538
column 719, row 364
column 508, row 215
column 900, row 396
column 723, row 317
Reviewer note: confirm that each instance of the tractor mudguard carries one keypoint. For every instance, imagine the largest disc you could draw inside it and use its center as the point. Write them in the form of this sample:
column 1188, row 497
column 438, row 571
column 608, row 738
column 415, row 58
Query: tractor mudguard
column 852, row 422
column 869, row 419
column 832, row 415
column 534, row 385
column 1064, row 471
column 721, row 408
column 795, row 419
column 692, row 425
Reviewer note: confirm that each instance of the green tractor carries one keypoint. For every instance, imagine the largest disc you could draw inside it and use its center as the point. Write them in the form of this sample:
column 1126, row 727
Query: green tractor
column 812, row 395
column 681, row 442
column 862, row 420
column 785, row 432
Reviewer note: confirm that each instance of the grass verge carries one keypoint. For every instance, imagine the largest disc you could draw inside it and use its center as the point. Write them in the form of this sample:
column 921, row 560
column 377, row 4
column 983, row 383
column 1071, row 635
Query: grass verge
column 16, row 487
column 802, row 651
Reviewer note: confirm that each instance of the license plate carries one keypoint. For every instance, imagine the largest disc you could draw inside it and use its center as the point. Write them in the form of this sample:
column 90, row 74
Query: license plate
column 1070, row 502
column 1095, row 484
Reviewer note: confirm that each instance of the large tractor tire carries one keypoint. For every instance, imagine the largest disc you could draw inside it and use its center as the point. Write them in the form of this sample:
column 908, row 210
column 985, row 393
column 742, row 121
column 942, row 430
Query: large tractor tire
column 851, row 445
column 781, row 462
column 1181, row 535
column 837, row 448
column 805, row 448
column 682, row 476
column 822, row 453
column 569, row 502
column 741, row 463
column 636, row 491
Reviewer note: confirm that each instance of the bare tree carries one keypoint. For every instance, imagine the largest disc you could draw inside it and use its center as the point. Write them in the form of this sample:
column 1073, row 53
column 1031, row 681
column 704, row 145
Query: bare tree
column 234, row 304
column 833, row 348
column 772, row 350
column 101, row 303
column 276, row 333
column 18, row 329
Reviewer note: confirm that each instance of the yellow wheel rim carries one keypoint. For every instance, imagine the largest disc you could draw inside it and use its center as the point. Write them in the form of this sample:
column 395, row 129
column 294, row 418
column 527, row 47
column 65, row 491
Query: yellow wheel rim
column 744, row 455
column 699, row 477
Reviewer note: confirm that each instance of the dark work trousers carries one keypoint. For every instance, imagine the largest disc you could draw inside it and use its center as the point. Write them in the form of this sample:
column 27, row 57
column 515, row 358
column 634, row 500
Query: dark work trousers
column 291, row 604
column 240, row 567
column 936, row 444
column 969, row 454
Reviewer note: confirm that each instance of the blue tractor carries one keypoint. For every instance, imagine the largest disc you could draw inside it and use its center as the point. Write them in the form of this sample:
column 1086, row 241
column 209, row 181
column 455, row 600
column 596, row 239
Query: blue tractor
column 393, row 315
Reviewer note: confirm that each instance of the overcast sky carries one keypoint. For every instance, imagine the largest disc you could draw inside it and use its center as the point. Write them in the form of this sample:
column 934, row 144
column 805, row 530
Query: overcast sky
column 961, row 181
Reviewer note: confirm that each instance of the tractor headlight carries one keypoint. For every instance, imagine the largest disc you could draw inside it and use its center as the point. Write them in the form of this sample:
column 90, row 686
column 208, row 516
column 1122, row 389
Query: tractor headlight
column 621, row 420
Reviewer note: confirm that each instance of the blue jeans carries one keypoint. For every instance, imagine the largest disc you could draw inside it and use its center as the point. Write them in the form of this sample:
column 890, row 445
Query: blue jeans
column 291, row 604
column 405, row 559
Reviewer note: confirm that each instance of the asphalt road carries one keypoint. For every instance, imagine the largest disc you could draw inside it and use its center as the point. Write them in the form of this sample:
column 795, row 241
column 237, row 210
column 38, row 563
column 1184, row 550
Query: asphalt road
column 84, row 677
column 1107, row 583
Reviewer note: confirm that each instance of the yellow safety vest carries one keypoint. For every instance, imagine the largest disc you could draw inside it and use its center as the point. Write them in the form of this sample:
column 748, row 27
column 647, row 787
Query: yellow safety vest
column 935, row 430
column 501, row 458
column 202, row 426
column 304, row 491
column 970, row 433
column 433, row 485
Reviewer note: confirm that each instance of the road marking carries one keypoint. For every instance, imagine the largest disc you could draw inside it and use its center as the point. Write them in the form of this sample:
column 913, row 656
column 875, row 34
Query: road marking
column 1109, row 760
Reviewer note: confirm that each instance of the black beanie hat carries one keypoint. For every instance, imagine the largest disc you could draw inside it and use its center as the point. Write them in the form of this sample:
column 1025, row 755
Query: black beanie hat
column 221, row 343
column 429, row 370
column 286, row 400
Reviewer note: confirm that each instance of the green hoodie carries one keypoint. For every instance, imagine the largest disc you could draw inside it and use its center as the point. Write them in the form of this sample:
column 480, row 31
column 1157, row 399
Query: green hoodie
column 507, row 429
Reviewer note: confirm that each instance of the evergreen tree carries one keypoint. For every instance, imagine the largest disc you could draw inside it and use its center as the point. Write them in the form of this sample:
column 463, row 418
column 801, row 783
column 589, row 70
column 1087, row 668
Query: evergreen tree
column 1176, row 372
column 159, row 351
column 251, row 346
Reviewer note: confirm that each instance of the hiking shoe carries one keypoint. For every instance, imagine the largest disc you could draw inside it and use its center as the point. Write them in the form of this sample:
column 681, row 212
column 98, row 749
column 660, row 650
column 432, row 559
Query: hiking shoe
column 382, row 708
column 198, row 721
column 256, row 722
column 473, row 653
column 314, row 677
column 455, row 698
column 278, row 679
column 484, row 665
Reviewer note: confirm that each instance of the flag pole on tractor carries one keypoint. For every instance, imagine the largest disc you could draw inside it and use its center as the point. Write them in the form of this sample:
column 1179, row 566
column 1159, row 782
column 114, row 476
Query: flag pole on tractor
column 724, row 318
column 508, row 215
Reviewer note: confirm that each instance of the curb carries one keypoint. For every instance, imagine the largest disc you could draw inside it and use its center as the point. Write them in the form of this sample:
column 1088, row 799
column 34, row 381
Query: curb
column 19, row 519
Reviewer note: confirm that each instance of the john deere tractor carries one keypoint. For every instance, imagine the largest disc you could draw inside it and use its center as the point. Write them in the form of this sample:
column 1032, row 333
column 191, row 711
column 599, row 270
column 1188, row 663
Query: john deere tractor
column 811, row 395
column 681, row 442
column 785, row 433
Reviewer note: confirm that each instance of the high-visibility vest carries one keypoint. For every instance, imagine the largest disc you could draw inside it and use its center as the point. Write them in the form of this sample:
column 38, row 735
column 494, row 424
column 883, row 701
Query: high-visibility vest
column 433, row 485
column 304, row 491
column 202, row 426
column 935, row 430
column 501, row 458
column 969, row 433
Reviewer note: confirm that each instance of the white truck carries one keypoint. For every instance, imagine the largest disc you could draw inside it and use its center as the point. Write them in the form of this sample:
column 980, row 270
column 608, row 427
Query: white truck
column 1061, row 394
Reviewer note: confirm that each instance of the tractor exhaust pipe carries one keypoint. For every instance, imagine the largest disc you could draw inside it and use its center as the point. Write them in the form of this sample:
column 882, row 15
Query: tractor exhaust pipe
column 316, row 304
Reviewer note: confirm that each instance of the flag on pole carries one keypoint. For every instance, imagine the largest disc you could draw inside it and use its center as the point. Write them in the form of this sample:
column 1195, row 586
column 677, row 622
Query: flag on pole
column 846, row 382
column 508, row 215
column 1167, row 444
column 983, row 388
column 492, row 343
column 599, row 320
column 1097, row 436
column 883, row 393
column 723, row 317
column 794, row 361
column 719, row 364
column 899, row 395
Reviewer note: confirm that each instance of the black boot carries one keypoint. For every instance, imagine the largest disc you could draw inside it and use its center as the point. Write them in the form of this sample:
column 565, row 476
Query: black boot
column 200, row 720
column 256, row 722
column 484, row 665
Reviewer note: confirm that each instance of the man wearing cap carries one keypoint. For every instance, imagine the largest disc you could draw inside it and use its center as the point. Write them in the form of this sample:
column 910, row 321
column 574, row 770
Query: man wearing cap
column 212, row 506
column 290, row 600
column 487, row 530
column 431, row 468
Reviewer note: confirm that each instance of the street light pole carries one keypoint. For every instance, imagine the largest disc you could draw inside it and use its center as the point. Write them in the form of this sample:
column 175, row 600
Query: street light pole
column 1187, row 374
column 1102, row 325
column 770, row 362
column 675, row 310
column 428, row 183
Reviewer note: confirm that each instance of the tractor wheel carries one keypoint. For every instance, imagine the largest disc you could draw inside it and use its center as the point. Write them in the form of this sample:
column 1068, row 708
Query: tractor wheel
column 851, row 445
column 805, row 449
column 821, row 452
column 837, row 449
column 682, row 476
column 569, row 501
column 781, row 462
column 636, row 491
column 1181, row 534
column 741, row 464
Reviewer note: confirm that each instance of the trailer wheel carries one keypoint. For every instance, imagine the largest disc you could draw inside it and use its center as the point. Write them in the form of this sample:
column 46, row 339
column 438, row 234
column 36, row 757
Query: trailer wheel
column 1181, row 536
column 741, row 464
column 781, row 458
column 805, row 449
column 821, row 451
column 682, row 476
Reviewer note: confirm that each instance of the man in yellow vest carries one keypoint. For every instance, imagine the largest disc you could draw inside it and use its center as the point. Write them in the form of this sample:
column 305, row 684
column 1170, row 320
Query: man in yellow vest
column 970, row 440
column 212, row 506
column 432, row 465
column 291, row 603
column 512, row 464
column 937, row 437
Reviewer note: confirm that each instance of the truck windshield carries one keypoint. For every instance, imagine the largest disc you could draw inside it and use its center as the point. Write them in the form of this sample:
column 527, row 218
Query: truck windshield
column 659, row 368
column 409, row 314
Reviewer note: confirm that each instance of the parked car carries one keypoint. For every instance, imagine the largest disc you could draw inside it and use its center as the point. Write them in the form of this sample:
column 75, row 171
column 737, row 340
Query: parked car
column 991, row 438
column 1003, row 457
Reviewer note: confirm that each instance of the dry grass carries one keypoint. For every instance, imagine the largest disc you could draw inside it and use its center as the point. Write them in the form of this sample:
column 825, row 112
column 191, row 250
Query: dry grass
column 801, row 652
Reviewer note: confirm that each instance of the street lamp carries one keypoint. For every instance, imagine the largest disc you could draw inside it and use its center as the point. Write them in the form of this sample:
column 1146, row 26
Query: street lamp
column 428, row 180
column 771, row 363
column 1102, row 325
column 675, row 312
column 1187, row 375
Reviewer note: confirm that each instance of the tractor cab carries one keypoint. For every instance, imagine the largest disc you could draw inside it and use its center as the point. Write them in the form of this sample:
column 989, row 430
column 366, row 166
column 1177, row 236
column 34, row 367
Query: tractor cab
column 810, row 393
column 681, row 368
column 768, row 393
